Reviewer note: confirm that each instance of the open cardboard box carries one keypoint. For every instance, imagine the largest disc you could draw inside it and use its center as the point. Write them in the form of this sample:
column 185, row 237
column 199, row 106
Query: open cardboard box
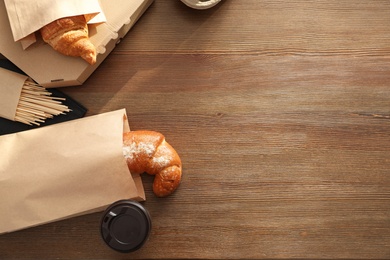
column 51, row 69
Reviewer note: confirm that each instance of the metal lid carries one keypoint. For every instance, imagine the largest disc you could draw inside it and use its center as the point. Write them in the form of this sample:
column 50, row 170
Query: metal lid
column 125, row 226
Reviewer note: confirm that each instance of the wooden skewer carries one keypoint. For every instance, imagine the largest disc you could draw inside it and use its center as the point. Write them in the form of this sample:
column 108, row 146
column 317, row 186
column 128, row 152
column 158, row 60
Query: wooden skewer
column 44, row 97
column 43, row 102
column 40, row 107
column 37, row 118
column 36, row 104
column 30, row 111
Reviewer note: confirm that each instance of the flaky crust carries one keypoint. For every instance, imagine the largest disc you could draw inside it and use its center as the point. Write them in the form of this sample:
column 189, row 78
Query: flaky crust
column 69, row 36
column 147, row 151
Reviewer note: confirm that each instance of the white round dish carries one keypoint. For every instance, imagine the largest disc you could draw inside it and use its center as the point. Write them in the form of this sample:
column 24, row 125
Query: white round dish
column 201, row 4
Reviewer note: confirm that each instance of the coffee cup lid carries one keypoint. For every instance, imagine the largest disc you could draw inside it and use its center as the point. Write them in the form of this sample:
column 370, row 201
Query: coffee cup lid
column 125, row 226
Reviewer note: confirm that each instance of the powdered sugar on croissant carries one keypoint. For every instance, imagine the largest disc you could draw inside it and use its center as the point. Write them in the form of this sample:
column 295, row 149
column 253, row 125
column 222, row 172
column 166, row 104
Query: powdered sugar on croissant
column 147, row 151
column 69, row 36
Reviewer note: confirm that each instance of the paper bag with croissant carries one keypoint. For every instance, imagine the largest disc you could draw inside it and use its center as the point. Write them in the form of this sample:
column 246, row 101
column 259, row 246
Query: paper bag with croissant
column 69, row 36
column 61, row 24
column 64, row 170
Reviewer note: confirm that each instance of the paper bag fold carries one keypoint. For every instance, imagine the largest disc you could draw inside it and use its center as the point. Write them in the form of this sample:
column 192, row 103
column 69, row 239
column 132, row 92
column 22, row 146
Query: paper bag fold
column 64, row 170
column 11, row 85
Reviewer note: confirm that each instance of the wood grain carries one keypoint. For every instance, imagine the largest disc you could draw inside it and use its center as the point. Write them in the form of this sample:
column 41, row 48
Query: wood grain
column 267, row 27
column 280, row 113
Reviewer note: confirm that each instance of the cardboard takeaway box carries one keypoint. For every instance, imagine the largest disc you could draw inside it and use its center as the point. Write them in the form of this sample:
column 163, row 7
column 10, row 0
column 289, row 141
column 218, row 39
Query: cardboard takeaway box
column 51, row 69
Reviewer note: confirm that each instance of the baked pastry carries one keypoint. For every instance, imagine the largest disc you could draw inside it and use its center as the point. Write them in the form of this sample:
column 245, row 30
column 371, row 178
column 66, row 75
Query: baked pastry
column 147, row 151
column 69, row 36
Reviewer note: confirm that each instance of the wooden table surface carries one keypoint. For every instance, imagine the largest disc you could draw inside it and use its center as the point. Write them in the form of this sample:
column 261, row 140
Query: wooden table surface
column 280, row 111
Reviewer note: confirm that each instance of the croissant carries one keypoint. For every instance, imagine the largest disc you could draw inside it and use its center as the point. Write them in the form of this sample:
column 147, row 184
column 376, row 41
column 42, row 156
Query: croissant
column 147, row 151
column 69, row 36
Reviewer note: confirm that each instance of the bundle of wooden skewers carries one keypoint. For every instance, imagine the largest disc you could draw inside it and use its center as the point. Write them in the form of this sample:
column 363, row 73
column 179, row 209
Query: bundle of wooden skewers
column 36, row 104
column 23, row 100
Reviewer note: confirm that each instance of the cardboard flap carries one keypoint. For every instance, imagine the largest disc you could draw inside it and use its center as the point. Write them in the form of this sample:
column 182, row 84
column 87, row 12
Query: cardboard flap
column 116, row 20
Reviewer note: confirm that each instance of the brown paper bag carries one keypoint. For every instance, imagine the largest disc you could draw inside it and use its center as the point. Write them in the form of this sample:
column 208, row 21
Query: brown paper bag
column 27, row 17
column 59, row 171
column 10, row 88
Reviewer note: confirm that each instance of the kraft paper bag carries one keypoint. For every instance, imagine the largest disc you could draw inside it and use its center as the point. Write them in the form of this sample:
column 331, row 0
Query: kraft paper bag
column 64, row 170
column 27, row 17
column 10, row 89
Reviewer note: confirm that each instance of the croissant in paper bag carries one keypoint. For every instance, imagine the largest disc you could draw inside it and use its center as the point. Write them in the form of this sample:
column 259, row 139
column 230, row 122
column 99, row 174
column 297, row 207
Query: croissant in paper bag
column 147, row 151
column 69, row 36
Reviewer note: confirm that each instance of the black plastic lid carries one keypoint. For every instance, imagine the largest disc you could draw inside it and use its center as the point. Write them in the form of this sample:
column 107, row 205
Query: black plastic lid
column 125, row 226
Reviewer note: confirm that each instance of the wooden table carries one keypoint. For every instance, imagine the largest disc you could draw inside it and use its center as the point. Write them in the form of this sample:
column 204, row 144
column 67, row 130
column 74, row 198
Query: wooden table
column 280, row 111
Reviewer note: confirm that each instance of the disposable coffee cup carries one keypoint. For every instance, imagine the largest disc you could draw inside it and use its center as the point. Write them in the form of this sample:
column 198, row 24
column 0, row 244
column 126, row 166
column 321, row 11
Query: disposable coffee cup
column 125, row 226
column 201, row 4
